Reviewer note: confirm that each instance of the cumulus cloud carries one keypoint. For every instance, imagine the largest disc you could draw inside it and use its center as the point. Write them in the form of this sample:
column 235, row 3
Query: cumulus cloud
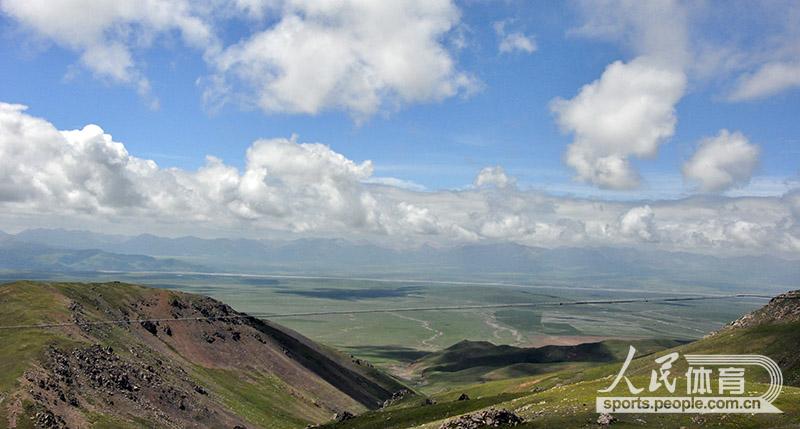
column 290, row 185
column 350, row 55
column 628, row 112
column 287, row 185
column 493, row 176
column 80, row 169
column 722, row 162
column 105, row 33
column 312, row 56
column 513, row 41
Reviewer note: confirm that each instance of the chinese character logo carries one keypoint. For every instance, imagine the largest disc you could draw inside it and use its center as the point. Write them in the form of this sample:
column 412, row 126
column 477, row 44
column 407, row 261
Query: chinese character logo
column 713, row 384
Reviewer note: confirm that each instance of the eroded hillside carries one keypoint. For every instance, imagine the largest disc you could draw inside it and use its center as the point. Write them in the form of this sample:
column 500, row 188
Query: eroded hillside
column 118, row 355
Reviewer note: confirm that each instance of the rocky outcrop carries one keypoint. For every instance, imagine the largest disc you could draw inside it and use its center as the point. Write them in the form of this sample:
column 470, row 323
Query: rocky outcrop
column 396, row 397
column 491, row 418
column 784, row 308
column 343, row 416
column 605, row 419
column 99, row 375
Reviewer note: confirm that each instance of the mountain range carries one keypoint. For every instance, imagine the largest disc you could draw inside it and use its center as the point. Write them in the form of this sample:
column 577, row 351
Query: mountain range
column 82, row 250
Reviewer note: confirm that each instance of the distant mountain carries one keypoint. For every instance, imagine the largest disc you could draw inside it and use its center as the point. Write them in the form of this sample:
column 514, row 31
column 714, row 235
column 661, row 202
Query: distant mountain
column 174, row 360
column 620, row 267
column 23, row 256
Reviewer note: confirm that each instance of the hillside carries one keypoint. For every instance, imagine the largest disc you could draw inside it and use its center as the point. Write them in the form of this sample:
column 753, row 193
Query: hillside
column 171, row 360
column 564, row 398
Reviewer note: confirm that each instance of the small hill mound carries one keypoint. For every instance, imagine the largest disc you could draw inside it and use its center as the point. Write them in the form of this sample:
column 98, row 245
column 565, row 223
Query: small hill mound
column 472, row 354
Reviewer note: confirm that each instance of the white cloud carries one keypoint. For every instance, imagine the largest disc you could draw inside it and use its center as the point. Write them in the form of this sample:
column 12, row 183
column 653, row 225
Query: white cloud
column 656, row 28
column 517, row 42
column 313, row 56
column 286, row 186
column 769, row 79
column 716, row 44
column 351, row 55
column 628, row 112
column 722, row 162
column 493, row 176
column 762, row 64
column 105, row 33
column 513, row 41
column 639, row 223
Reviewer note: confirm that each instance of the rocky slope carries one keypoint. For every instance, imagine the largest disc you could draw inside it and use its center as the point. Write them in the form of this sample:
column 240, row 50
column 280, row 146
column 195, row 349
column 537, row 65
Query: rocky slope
column 168, row 359
column 784, row 308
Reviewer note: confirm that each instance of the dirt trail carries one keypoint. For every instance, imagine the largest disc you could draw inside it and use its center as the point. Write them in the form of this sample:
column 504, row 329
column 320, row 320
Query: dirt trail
column 428, row 342
column 492, row 322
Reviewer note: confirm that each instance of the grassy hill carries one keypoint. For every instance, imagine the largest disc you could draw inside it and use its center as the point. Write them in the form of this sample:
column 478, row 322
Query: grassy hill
column 565, row 398
column 469, row 362
column 170, row 360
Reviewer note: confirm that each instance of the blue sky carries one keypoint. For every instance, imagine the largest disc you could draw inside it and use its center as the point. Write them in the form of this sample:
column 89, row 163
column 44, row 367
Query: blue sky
column 436, row 144
column 174, row 93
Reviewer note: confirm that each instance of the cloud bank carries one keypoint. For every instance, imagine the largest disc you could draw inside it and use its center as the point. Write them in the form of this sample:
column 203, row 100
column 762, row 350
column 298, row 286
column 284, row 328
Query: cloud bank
column 307, row 188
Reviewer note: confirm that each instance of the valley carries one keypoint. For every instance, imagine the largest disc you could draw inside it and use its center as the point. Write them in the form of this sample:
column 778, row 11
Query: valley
column 393, row 340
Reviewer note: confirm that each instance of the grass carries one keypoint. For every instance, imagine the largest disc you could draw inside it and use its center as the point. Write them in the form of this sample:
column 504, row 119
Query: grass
column 395, row 418
column 26, row 303
column 262, row 399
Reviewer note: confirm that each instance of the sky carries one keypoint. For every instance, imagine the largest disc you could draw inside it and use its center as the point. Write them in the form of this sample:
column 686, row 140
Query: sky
column 659, row 124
